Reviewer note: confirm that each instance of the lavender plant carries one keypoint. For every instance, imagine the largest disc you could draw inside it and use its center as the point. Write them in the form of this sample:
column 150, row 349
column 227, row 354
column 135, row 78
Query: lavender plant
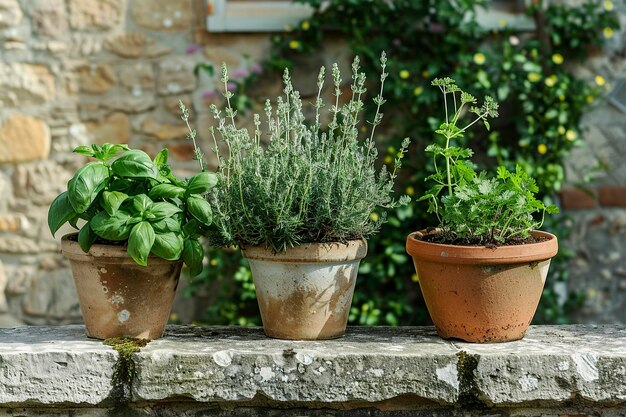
column 311, row 183
column 476, row 209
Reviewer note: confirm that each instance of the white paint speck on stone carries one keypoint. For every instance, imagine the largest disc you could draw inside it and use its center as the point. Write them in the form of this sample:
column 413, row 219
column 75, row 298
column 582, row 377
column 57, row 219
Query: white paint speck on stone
column 528, row 383
column 223, row 357
column 449, row 375
column 563, row 366
column 266, row 373
column 117, row 300
column 586, row 365
column 376, row 372
column 123, row 316
column 304, row 358
column 167, row 22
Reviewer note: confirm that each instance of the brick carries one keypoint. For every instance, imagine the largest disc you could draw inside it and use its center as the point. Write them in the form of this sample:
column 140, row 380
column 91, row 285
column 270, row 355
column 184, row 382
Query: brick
column 613, row 196
column 576, row 199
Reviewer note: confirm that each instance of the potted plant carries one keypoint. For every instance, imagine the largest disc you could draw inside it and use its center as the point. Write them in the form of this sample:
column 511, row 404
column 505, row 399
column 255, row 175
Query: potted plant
column 483, row 269
column 139, row 224
column 301, row 207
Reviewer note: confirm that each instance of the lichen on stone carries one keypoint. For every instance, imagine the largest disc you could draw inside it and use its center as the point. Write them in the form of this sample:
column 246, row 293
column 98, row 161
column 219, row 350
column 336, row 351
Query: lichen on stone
column 125, row 367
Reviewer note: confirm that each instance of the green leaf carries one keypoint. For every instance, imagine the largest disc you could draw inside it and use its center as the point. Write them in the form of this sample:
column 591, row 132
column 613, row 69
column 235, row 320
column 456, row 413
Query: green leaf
column 192, row 228
column 134, row 164
column 193, row 254
column 163, row 209
column 84, row 150
column 487, row 125
column 141, row 203
column 60, row 212
column 140, row 242
column 112, row 200
column 84, row 187
column 168, row 224
column 168, row 246
column 201, row 183
column 86, row 237
column 111, row 227
column 110, row 151
column 200, row 209
column 161, row 158
column 166, row 191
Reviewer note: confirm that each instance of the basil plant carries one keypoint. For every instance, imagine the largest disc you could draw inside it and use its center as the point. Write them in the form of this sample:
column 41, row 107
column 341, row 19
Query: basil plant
column 137, row 201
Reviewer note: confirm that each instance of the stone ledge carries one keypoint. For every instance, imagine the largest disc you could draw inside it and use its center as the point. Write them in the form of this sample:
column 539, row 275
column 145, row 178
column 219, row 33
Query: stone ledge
column 372, row 367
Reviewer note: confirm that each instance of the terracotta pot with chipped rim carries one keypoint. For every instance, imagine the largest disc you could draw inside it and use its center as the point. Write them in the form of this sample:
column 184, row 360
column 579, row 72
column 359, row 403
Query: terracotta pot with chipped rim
column 305, row 293
column 482, row 294
column 118, row 297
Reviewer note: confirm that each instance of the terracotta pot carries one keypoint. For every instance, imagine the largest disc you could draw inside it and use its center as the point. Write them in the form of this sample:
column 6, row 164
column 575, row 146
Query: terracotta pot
column 305, row 293
column 118, row 297
column 482, row 294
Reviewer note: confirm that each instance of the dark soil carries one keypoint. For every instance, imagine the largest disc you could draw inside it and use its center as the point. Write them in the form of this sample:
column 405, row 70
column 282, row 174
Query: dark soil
column 74, row 238
column 447, row 239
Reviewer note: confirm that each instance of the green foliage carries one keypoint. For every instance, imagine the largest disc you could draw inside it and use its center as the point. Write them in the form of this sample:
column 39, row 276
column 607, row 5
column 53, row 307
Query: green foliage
column 474, row 208
column 137, row 201
column 311, row 183
column 527, row 72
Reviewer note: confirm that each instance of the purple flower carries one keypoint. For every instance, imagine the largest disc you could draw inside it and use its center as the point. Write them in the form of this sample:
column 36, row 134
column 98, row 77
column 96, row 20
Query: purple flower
column 193, row 48
column 231, row 86
column 256, row 69
column 240, row 73
column 209, row 94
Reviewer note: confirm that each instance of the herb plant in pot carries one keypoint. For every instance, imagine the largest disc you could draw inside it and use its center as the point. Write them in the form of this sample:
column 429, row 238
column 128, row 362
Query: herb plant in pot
column 139, row 224
column 482, row 271
column 301, row 206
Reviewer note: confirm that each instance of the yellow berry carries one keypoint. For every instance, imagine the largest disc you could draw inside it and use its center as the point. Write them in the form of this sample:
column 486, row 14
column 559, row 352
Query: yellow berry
column 404, row 74
column 542, row 148
column 479, row 58
column 557, row 59
column 418, row 90
column 410, row 190
column 294, row 44
column 415, row 278
column 213, row 262
column 551, row 80
column 600, row 80
column 534, row 77
column 607, row 32
column 571, row 135
column 388, row 159
column 305, row 25
column 608, row 5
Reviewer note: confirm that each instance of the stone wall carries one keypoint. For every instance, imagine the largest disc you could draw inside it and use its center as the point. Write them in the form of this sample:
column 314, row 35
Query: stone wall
column 75, row 72
column 372, row 371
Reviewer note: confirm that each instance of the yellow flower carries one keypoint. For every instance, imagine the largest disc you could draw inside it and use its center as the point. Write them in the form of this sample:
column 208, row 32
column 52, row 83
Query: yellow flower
column 479, row 58
column 425, row 74
column 415, row 278
column 294, row 44
column 557, row 59
column 561, row 130
column 502, row 23
column 542, row 148
column 589, row 99
column 571, row 135
column 551, row 80
column 533, row 77
column 374, row 216
column 608, row 5
column 391, row 149
column 388, row 159
column 418, row 90
column 213, row 262
column 607, row 32
column 404, row 74
column 305, row 25
column 600, row 80
column 410, row 191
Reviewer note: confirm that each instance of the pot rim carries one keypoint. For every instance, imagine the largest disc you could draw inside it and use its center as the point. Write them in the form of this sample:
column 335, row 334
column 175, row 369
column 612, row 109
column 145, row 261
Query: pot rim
column 457, row 254
column 105, row 253
column 328, row 252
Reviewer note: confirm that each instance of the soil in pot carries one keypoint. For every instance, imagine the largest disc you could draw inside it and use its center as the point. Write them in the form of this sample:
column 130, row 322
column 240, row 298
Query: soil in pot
column 306, row 292
column 117, row 297
column 478, row 293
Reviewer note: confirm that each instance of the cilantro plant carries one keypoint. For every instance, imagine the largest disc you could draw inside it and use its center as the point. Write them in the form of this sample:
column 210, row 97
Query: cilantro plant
column 138, row 202
column 311, row 183
column 476, row 209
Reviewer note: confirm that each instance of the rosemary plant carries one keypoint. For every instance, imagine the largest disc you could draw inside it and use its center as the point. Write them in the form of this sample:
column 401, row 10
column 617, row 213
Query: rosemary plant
column 475, row 209
column 311, row 183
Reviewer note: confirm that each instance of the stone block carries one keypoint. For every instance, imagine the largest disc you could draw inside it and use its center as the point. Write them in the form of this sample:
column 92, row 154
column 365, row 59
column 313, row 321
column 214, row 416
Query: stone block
column 96, row 79
column 114, row 128
column 162, row 15
column 175, row 76
column 127, row 45
column 25, row 84
column 49, row 18
column 10, row 13
column 24, row 138
column 96, row 14
column 163, row 131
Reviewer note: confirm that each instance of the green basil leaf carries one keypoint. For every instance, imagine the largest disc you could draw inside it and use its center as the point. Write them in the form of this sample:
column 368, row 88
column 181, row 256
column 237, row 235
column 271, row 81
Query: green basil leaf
column 135, row 218
column 84, row 150
column 86, row 237
column 84, row 187
column 112, row 200
column 193, row 254
column 60, row 212
column 110, row 151
column 142, row 203
column 168, row 224
column 163, row 209
column 140, row 242
column 168, row 246
column 109, row 227
column 201, row 183
column 166, row 191
column 161, row 158
column 134, row 164
column 200, row 209
column 191, row 228
column 120, row 184
column 74, row 221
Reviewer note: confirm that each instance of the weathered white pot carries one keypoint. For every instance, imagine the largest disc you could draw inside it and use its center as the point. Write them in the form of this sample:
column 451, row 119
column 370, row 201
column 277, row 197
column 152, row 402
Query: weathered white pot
column 305, row 293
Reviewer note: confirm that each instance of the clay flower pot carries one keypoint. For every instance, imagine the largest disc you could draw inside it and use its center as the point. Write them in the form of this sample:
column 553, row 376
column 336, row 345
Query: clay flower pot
column 117, row 296
column 482, row 294
column 305, row 293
